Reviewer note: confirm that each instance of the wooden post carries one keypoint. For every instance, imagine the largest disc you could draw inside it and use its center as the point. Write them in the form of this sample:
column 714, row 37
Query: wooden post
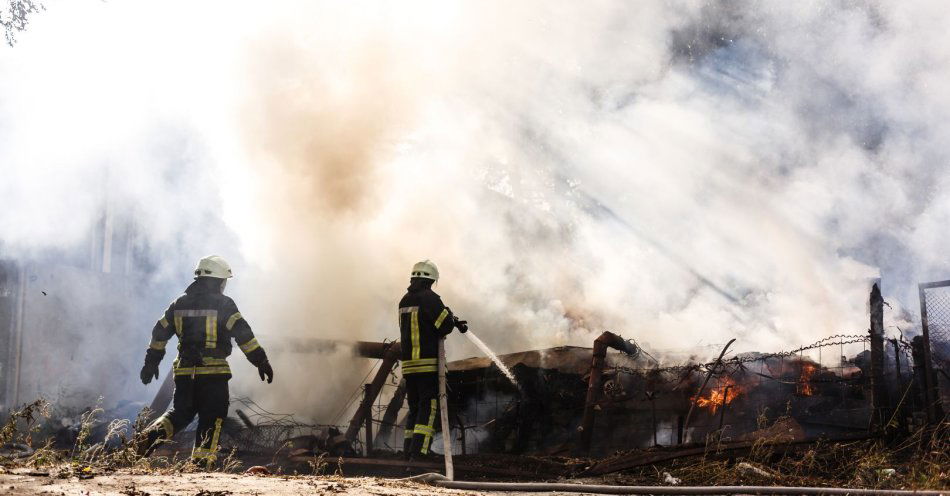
column 898, row 407
column 722, row 413
column 444, row 407
column 878, row 387
column 390, row 360
column 368, row 418
column 679, row 429
column 652, row 396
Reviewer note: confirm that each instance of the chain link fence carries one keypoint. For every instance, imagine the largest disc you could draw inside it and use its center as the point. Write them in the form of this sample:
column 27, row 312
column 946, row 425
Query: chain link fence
column 938, row 325
column 935, row 346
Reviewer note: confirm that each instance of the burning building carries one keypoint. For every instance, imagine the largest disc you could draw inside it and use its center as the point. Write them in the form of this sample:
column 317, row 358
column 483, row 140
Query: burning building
column 636, row 403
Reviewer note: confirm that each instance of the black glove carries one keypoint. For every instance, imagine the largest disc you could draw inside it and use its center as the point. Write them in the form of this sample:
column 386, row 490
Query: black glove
column 461, row 325
column 149, row 370
column 265, row 369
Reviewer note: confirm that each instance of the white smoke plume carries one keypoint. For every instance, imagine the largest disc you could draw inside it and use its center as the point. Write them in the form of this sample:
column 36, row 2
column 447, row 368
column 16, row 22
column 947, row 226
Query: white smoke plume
column 679, row 173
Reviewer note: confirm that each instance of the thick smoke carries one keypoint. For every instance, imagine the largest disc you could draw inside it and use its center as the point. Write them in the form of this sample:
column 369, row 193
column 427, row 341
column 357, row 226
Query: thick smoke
column 681, row 174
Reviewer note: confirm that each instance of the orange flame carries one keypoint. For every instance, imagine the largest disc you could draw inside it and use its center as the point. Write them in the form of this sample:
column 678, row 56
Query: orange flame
column 805, row 387
column 727, row 391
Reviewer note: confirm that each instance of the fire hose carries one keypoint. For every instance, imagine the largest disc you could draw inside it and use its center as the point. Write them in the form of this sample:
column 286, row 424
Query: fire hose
column 441, row 481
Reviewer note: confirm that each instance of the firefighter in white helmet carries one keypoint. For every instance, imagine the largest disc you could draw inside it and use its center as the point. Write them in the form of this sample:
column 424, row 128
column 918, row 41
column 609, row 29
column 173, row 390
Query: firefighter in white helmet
column 205, row 321
column 423, row 321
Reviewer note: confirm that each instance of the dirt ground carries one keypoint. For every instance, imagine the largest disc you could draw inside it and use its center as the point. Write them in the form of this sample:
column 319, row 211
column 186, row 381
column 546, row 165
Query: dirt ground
column 212, row 484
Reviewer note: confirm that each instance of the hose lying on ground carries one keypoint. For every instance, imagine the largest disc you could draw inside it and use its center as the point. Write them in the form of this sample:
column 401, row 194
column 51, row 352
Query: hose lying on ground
column 442, row 481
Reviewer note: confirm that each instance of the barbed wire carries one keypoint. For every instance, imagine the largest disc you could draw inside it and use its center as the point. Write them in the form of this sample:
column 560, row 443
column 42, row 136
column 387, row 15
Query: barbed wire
column 740, row 361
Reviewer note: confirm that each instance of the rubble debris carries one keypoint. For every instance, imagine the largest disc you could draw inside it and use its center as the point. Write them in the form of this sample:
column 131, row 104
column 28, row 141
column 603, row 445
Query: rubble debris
column 244, row 418
column 785, row 429
column 886, row 473
column 670, row 480
column 639, row 458
column 348, row 464
column 257, row 470
column 328, row 441
column 747, row 468
column 15, row 450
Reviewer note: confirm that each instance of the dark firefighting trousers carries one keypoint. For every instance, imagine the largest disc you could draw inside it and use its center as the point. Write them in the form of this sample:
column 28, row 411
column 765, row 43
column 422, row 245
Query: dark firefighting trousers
column 422, row 391
column 205, row 396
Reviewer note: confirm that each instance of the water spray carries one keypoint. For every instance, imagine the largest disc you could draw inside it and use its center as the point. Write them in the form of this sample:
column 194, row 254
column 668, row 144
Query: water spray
column 494, row 358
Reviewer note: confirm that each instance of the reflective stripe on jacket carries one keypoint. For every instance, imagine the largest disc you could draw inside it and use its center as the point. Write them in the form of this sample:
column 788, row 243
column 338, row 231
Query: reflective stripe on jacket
column 205, row 321
column 423, row 321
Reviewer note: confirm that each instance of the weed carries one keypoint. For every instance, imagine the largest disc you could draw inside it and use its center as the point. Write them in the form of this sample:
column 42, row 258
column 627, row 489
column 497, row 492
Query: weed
column 318, row 464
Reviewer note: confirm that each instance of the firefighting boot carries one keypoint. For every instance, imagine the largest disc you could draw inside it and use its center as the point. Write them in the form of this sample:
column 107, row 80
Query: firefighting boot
column 146, row 442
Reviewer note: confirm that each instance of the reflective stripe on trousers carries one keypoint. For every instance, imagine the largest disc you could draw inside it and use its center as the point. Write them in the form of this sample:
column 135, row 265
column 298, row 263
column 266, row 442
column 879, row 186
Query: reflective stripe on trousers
column 427, row 430
column 210, row 453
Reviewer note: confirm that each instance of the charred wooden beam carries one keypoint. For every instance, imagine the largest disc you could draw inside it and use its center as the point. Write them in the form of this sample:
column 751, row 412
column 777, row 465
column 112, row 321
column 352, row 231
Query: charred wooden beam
column 373, row 349
column 244, row 418
column 368, row 422
column 365, row 349
column 390, row 356
column 392, row 410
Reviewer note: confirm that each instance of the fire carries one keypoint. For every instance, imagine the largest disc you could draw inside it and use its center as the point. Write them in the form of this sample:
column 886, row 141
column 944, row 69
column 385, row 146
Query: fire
column 727, row 391
column 805, row 387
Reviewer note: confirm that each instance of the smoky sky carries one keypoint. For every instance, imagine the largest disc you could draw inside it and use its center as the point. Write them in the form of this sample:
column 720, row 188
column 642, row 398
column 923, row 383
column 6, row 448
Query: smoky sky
column 681, row 173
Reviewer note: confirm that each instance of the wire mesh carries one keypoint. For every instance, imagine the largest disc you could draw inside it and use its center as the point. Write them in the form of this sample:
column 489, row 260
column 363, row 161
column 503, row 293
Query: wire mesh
column 935, row 310
column 938, row 325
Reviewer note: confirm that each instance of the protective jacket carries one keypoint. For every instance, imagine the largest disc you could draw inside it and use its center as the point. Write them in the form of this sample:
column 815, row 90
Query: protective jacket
column 205, row 321
column 423, row 321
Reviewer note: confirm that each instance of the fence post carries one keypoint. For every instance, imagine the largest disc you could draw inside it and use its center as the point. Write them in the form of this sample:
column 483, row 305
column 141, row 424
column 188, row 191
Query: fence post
column 899, row 407
column 652, row 397
column 878, row 388
column 368, row 420
column 722, row 413
column 679, row 429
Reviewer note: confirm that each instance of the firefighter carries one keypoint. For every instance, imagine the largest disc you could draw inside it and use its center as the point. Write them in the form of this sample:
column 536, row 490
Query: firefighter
column 423, row 321
column 205, row 321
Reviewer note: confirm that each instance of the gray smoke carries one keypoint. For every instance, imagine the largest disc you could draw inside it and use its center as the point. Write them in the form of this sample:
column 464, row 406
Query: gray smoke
column 681, row 174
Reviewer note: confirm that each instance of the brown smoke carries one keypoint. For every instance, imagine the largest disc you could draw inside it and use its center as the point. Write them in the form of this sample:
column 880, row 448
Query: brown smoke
column 317, row 123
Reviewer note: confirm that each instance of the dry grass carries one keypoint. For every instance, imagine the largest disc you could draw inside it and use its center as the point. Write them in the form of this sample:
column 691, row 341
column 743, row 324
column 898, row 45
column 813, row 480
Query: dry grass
column 119, row 449
column 920, row 461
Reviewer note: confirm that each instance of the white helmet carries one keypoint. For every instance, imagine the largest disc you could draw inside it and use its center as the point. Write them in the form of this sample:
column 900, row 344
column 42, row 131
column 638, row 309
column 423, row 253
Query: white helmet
column 426, row 270
column 213, row 266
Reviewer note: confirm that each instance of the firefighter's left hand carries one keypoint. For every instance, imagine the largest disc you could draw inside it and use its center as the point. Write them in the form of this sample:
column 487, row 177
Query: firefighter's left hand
column 461, row 325
column 148, row 371
column 266, row 370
